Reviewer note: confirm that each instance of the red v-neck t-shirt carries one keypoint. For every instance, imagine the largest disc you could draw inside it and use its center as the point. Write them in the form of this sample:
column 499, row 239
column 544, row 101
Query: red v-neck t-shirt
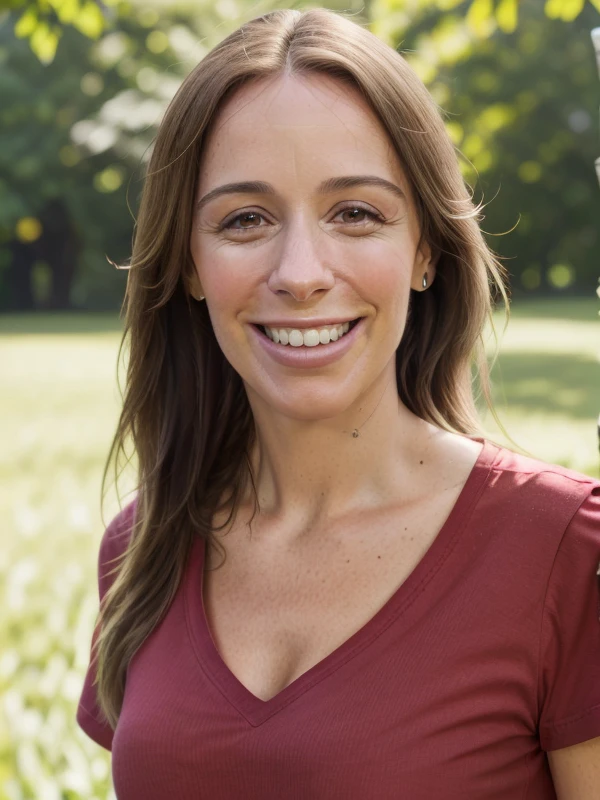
column 486, row 656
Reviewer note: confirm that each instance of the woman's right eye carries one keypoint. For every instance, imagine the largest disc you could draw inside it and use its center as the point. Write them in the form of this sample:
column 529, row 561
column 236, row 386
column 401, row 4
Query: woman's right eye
column 244, row 216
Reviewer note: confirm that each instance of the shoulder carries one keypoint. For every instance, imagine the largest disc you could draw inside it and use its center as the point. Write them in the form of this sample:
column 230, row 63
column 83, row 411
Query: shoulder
column 540, row 482
column 114, row 543
column 119, row 528
column 540, row 508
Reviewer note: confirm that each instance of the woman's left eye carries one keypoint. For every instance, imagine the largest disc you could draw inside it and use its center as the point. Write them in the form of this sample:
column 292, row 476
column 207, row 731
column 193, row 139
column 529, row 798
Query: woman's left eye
column 371, row 214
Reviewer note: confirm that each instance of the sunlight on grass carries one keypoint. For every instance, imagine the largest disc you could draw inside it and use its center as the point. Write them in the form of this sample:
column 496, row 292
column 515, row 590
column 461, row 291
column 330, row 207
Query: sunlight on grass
column 545, row 384
column 59, row 410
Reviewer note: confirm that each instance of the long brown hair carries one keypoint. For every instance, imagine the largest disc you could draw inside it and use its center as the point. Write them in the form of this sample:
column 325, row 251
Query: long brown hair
column 185, row 411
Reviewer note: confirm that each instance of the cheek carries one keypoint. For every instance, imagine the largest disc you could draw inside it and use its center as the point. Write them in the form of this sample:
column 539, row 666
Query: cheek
column 228, row 333
column 385, row 278
column 230, row 292
column 221, row 284
column 224, row 269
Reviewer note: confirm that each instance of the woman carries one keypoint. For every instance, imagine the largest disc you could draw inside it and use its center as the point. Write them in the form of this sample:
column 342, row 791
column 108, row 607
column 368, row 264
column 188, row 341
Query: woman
column 330, row 584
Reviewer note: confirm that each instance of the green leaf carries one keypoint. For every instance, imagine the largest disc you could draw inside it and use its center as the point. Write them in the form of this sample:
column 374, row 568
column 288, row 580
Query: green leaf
column 572, row 9
column 506, row 15
column 66, row 10
column 480, row 18
column 44, row 41
column 566, row 10
column 90, row 20
column 552, row 9
column 497, row 116
column 26, row 24
column 448, row 5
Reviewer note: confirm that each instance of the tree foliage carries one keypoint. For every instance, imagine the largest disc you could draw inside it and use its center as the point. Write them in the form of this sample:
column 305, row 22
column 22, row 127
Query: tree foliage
column 42, row 22
column 519, row 101
column 517, row 84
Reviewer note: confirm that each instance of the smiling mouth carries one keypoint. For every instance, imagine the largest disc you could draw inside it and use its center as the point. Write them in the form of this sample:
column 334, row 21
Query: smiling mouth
column 309, row 337
column 351, row 325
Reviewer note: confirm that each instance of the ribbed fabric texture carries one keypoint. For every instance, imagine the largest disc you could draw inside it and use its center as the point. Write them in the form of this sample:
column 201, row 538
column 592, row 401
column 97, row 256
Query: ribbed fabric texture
column 485, row 657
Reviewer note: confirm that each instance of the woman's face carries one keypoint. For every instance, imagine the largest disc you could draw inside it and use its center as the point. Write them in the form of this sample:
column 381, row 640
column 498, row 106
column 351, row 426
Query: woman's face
column 305, row 249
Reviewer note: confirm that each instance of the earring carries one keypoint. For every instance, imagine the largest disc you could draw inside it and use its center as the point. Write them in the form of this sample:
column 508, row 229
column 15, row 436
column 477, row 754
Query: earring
column 425, row 281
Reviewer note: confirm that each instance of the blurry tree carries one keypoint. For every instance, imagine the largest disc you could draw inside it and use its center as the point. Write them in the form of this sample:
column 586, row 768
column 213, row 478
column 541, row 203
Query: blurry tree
column 519, row 96
column 519, row 90
column 42, row 21
column 74, row 131
column 75, row 134
column 62, row 192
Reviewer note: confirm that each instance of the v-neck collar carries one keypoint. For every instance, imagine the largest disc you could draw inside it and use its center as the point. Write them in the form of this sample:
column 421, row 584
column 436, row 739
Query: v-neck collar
column 254, row 709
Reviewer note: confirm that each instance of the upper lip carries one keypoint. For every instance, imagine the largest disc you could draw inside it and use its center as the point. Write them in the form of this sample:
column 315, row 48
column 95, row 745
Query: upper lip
column 306, row 323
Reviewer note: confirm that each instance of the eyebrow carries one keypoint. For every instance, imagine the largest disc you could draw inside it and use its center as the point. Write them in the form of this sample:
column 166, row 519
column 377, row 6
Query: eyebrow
column 326, row 187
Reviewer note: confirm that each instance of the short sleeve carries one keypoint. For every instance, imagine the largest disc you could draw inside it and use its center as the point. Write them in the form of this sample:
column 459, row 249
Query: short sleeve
column 570, row 638
column 114, row 542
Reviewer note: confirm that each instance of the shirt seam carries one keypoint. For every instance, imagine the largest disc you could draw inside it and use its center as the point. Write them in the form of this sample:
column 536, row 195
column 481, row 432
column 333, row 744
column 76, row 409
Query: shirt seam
column 89, row 713
column 555, row 726
column 583, row 480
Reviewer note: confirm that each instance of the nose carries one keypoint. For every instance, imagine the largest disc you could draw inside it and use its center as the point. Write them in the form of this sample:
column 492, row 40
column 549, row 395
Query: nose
column 301, row 268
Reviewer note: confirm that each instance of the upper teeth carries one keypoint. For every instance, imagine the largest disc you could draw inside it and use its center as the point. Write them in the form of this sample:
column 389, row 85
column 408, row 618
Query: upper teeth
column 308, row 338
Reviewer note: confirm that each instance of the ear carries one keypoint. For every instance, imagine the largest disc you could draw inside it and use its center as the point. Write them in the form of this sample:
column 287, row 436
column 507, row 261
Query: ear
column 425, row 262
column 192, row 284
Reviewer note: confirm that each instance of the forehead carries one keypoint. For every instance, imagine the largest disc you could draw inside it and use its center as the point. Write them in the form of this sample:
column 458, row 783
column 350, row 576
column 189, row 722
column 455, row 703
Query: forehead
column 314, row 117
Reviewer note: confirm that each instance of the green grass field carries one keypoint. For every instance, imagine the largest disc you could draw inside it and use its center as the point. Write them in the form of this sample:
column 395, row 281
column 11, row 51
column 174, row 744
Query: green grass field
column 546, row 383
column 59, row 409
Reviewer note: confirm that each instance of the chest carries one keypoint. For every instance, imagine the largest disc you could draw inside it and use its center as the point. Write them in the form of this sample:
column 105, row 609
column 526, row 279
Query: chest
column 274, row 614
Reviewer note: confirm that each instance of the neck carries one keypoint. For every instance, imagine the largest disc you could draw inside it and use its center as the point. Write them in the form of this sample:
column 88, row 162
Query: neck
column 310, row 471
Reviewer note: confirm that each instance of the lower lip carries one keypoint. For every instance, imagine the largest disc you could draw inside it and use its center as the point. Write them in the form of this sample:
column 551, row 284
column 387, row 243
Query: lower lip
column 306, row 357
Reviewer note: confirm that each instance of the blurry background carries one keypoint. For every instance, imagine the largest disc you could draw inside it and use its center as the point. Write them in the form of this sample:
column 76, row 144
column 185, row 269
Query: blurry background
column 83, row 85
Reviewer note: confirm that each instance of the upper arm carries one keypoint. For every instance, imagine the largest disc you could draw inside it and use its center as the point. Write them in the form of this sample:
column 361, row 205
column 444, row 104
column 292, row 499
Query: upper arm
column 576, row 771
column 89, row 716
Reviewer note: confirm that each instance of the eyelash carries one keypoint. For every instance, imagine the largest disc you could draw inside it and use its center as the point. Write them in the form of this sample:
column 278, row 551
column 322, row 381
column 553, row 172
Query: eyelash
column 229, row 224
